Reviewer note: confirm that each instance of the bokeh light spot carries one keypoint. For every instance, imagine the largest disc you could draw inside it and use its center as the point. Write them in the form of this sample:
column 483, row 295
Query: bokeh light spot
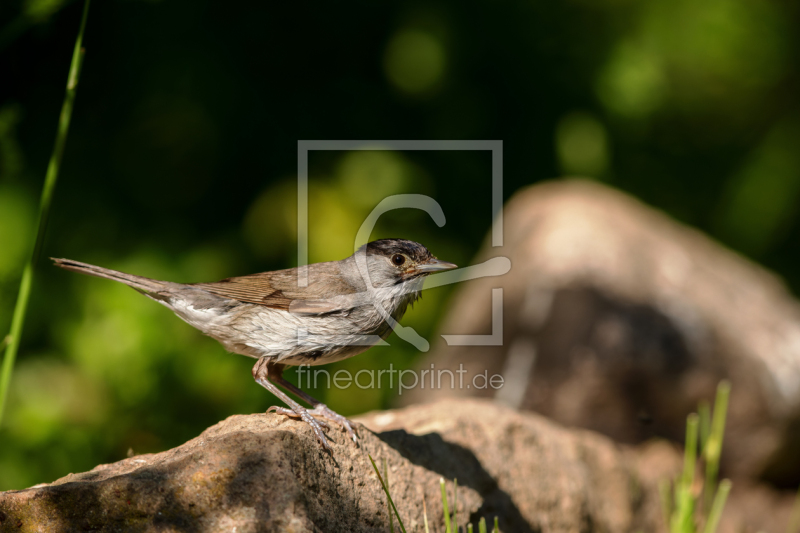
column 762, row 197
column 582, row 145
column 41, row 10
column 414, row 61
column 370, row 176
column 632, row 83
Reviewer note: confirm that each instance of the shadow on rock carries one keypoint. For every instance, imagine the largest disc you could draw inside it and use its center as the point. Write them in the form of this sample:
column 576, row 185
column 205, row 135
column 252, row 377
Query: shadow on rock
column 452, row 461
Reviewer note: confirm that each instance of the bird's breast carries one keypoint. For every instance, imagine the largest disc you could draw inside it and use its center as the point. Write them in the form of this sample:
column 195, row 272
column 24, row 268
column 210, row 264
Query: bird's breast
column 256, row 330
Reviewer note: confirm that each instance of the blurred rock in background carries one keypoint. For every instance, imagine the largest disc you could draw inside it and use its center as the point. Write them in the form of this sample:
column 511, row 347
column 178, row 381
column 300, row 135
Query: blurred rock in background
column 618, row 319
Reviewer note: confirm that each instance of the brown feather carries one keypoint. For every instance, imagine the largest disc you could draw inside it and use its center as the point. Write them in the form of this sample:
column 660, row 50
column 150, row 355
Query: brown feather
column 280, row 288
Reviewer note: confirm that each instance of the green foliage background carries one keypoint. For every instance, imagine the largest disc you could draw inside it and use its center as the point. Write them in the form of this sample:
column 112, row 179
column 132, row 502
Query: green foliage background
column 182, row 159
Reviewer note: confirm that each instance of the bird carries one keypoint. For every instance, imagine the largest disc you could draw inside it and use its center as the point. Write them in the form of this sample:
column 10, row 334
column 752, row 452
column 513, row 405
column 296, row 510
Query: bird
column 311, row 315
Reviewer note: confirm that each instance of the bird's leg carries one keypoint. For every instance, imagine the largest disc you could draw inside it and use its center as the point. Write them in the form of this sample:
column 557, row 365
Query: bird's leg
column 320, row 409
column 265, row 372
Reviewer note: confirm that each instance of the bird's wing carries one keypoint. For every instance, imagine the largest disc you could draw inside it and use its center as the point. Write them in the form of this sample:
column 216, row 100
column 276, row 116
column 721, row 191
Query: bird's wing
column 254, row 289
column 280, row 290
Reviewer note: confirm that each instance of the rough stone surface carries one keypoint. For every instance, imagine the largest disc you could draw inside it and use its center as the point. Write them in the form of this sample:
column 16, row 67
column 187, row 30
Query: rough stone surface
column 267, row 473
column 618, row 319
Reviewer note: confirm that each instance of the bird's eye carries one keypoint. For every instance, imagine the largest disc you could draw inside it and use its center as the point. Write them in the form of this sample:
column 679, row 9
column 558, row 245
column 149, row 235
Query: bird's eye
column 398, row 259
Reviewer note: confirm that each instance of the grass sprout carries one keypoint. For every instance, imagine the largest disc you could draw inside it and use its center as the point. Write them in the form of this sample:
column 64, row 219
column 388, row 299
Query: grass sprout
column 21, row 306
column 712, row 447
column 680, row 503
column 446, row 508
column 455, row 502
column 388, row 496
column 388, row 509
column 449, row 526
column 716, row 508
column 425, row 514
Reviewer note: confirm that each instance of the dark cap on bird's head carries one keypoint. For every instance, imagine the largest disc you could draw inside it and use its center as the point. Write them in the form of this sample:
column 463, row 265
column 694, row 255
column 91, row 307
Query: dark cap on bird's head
column 388, row 247
column 409, row 258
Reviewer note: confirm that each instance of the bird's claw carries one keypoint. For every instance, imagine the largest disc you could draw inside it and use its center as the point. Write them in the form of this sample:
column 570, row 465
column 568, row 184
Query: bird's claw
column 292, row 414
column 305, row 416
column 309, row 416
column 325, row 412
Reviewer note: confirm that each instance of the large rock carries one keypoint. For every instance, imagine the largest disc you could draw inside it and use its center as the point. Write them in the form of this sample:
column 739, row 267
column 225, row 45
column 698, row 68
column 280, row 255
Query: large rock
column 618, row 319
column 267, row 473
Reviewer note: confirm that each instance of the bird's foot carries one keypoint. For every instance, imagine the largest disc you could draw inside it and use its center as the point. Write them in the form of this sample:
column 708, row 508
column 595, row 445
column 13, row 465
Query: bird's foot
column 325, row 412
column 305, row 415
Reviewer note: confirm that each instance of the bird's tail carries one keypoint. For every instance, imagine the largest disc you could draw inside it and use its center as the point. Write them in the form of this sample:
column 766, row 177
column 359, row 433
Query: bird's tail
column 147, row 286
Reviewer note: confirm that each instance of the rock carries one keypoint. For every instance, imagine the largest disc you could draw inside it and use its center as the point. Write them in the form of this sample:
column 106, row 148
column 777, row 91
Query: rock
column 616, row 318
column 267, row 473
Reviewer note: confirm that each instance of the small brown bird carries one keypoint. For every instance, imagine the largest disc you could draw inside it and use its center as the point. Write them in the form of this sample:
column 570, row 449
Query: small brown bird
column 344, row 308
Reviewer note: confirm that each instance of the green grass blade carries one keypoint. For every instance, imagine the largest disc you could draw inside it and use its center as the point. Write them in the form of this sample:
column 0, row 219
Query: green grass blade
column 469, row 528
column 716, row 508
column 683, row 514
column 16, row 329
column 690, row 452
column 388, row 496
column 388, row 508
column 712, row 451
column 496, row 528
column 445, row 506
column 794, row 519
column 18, row 318
column 455, row 503
column 425, row 514
column 665, row 493
column 482, row 525
column 704, row 410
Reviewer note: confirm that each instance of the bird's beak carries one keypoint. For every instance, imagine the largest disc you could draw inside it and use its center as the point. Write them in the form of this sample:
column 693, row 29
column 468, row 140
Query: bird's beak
column 435, row 265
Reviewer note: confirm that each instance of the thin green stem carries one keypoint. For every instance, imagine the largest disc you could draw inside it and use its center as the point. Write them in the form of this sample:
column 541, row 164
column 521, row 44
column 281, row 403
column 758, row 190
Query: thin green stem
column 716, row 508
column 388, row 509
column 704, row 411
column 388, row 496
column 446, row 507
column 712, row 450
column 690, row 452
column 665, row 493
column 455, row 503
column 18, row 318
column 683, row 513
column 425, row 514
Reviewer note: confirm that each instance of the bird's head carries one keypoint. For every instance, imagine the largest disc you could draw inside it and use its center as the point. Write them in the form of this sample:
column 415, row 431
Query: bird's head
column 393, row 261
